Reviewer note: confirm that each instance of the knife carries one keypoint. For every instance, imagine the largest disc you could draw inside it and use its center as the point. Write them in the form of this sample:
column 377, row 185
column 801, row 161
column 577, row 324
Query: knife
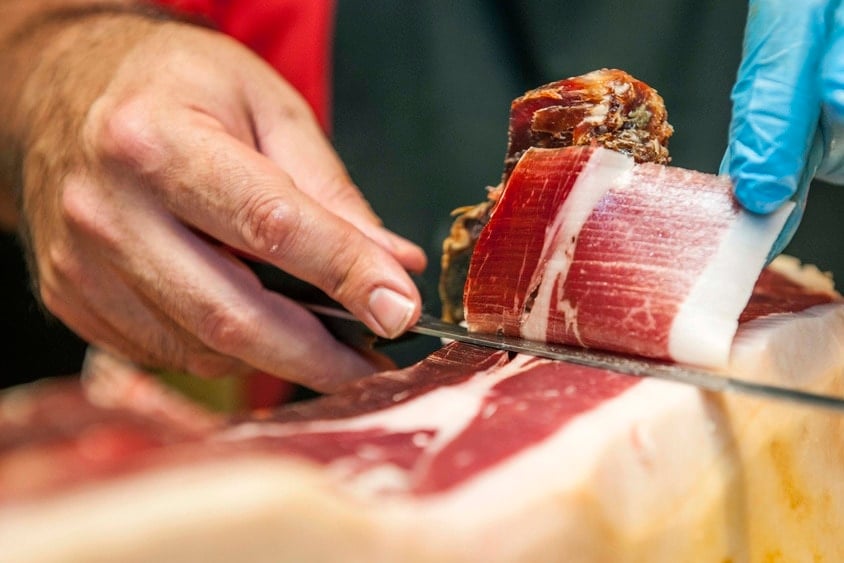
column 618, row 363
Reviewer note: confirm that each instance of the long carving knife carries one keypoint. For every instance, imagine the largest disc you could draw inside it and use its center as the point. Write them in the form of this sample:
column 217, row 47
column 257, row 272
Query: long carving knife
column 634, row 366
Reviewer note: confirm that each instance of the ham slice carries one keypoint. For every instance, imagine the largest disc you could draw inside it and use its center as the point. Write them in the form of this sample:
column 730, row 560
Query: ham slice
column 469, row 455
column 606, row 108
column 586, row 247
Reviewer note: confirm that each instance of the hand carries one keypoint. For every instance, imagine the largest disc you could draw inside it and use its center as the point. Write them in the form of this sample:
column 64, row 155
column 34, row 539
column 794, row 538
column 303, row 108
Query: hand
column 788, row 106
column 156, row 147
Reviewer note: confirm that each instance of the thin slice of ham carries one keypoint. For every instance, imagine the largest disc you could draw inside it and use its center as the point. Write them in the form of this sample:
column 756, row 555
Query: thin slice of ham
column 587, row 247
column 470, row 455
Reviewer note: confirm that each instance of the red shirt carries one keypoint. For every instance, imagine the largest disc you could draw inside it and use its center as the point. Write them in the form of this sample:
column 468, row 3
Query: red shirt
column 294, row 36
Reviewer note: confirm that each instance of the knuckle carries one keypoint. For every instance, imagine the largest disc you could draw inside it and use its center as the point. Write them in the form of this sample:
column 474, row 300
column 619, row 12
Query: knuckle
column 225, row 329
column 58, row 265
column 82, row 210
column 50, row 298
column 180, row 353
column 62, row 265
column 126, row 133
column 76, row 206
column 271, row 226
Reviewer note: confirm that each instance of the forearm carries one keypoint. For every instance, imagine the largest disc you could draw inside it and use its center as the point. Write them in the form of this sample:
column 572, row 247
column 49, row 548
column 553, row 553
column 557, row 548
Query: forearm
column 45, row 47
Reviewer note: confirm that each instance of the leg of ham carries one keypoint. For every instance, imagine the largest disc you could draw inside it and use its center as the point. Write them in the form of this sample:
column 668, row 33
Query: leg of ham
column 474, row 454
column 471, row 455
column 587, row 247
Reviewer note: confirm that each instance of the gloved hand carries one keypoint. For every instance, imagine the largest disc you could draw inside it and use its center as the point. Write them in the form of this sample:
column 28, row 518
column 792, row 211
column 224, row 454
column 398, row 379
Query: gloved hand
column 788, row 106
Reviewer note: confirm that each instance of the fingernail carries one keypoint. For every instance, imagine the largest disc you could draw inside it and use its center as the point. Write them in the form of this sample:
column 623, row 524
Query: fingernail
column 391, row 310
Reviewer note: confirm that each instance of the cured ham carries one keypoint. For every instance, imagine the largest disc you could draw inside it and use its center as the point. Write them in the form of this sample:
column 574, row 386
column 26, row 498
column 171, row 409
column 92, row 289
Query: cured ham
column 475, row 454
column 586, row 247
column 469, row 455
column 606, row 107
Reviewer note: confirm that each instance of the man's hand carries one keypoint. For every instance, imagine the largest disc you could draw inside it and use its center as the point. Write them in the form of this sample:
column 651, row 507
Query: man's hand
column 151, row 149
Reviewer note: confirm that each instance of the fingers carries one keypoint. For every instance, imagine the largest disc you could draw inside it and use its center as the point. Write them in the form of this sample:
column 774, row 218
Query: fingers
column 85, row 292
column 169, row 169
column 800, row 198
column 227, row 190
column 169, row 299
column 112, row 319
column 776, row 100
column 289, row 136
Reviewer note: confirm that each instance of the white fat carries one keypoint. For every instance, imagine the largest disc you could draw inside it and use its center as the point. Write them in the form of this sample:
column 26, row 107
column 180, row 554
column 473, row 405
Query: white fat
column 444, row 409
column 638, row 478
column 703, row 329
column 636, row 456
column 598, row 112
column 575, row 458
column 384, row 478
column 790, row 348
column 604, row 169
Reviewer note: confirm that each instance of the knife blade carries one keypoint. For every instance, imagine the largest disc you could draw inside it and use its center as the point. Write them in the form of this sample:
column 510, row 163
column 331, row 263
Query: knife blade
column 618, row 363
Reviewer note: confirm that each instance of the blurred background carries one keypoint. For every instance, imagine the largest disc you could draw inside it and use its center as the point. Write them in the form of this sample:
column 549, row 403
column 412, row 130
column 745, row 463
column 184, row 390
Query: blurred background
column 422, row 92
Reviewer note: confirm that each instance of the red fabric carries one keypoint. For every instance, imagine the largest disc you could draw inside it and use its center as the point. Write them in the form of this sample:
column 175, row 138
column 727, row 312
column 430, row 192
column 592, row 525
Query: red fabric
column 294, row 36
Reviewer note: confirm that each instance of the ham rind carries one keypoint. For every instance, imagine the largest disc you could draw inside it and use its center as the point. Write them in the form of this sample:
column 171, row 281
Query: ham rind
column 587, row 247
column 501, row 459
column 606, row 108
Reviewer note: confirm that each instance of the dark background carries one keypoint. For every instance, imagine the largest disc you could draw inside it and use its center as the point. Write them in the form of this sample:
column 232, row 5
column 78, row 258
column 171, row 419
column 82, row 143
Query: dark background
column 422, row 93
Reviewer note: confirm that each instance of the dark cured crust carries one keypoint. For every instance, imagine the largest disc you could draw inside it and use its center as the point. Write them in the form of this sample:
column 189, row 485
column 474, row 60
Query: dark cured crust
column 458, row 247
column 607, row 107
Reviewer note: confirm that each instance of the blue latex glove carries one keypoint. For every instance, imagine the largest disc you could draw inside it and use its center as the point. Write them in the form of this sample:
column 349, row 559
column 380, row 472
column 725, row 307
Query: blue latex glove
column 788, row 106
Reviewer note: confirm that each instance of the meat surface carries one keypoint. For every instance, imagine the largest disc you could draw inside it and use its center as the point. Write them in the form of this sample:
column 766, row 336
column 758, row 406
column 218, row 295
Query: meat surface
column 606, row 107
column 472, row 454
column 586, row 247
column 475, row 454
